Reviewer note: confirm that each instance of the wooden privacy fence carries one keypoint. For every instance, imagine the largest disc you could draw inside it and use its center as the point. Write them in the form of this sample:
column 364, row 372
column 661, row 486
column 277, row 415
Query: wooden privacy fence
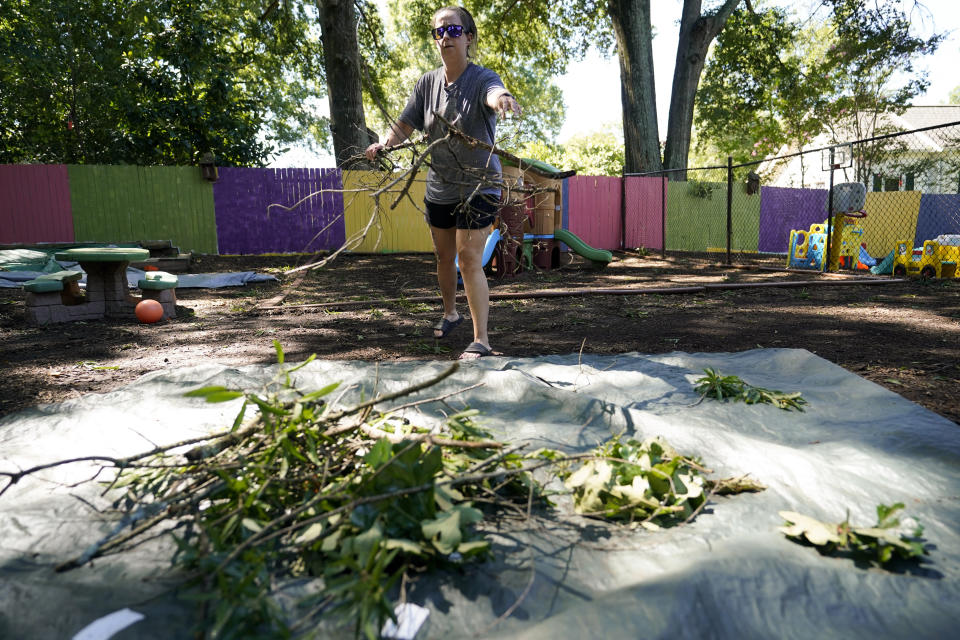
column 132, row 204
column 278, row 210
column 35, row 204
column 257, row 211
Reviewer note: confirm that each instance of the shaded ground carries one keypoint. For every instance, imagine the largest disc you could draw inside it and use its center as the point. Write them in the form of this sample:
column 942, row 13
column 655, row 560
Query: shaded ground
column 904, row 336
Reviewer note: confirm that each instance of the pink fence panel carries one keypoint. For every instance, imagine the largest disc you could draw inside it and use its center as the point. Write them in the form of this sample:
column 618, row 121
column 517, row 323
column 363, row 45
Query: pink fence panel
column 594, row 210
column 35, row 204
column 646, row 202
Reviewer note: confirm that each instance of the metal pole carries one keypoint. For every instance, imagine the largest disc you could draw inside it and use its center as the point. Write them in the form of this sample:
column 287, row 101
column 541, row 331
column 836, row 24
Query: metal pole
column 729, row 206
column 828, row 244
column 623, row 212
column 663, row 216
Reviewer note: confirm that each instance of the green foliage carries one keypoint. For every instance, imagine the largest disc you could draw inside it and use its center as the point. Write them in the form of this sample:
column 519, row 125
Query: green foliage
column 753, row 95
column 700, row 189
column 599, row 153
column 295, row 493
column 776, row 80
column 720, row 387
column 154, row 81
column 954, row 96
column 635, row 481
column 876, row 545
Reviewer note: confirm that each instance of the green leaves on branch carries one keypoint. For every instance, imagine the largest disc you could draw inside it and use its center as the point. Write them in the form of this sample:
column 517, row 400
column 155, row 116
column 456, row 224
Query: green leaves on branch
column 721, row 387
column 356, row 498
column 636, row 481
column 877, row 545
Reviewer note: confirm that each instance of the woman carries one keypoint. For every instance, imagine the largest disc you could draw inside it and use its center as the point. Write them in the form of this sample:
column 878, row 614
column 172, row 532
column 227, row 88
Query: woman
column 461, row 196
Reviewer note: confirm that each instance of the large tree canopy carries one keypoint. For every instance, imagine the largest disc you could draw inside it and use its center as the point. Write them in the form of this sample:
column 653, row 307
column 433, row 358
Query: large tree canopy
column 153, row 81
column 775, row 79
column 163, row 81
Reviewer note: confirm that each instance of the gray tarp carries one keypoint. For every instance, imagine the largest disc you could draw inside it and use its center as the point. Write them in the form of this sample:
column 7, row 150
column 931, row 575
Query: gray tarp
column 14, row 279
column 20, row 265
column 727, row 574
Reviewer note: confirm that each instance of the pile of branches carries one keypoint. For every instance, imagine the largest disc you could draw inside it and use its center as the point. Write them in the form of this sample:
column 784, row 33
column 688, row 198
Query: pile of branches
column 359, row 498
column 398, row 174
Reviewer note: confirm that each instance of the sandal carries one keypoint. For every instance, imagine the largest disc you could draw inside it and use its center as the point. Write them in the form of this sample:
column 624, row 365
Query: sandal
column 476, row 350
column 446, row 326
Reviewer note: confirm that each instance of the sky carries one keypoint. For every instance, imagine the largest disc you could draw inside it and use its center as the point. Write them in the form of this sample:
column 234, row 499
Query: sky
column 591, row 88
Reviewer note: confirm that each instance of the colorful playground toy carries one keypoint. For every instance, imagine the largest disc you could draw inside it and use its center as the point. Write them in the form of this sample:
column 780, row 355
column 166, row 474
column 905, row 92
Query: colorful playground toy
column 808, row 248
column 937, row 258
column 532, row 224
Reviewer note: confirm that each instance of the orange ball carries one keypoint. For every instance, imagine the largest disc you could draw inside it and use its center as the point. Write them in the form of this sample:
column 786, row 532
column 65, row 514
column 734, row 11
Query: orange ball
column 148, row 311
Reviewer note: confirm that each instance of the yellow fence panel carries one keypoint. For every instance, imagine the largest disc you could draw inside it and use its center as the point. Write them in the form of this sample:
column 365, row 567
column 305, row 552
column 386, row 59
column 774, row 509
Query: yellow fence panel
column 399, row 230
column 891, row 217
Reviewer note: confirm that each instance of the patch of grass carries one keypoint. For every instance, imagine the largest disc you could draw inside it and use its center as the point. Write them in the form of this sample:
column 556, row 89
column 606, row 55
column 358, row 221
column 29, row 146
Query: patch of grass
column 414, row 307
column 96, row 366
column 422, row 346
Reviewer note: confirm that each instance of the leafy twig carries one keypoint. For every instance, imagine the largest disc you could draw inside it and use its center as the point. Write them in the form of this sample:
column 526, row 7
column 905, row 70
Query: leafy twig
column 721, row 387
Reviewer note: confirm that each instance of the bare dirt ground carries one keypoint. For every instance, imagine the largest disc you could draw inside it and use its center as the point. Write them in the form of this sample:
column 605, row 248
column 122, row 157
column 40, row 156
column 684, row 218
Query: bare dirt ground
column 904, row 336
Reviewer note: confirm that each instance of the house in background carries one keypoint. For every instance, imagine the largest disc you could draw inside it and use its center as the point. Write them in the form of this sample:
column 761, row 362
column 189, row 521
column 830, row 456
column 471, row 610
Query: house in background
column 926, row 161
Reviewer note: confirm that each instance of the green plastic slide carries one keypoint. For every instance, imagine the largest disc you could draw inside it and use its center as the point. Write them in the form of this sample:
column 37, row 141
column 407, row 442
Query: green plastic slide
column 885, row 267
column 600, row 257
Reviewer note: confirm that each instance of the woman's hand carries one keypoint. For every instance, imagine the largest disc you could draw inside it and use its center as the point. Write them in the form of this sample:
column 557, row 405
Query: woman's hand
column 507, row 104
column 373, row 150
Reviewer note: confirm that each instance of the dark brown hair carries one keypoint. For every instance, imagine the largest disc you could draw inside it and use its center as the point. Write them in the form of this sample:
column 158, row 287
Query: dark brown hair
column 466, row 20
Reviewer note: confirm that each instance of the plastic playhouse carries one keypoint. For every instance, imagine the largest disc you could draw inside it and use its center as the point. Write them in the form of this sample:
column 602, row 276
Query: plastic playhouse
column 937, row 258
column 532, row 224
column 808, row 248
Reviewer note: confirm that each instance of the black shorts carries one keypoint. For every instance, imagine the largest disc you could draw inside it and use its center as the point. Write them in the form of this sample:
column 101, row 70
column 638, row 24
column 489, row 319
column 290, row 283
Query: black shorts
column 478, row 213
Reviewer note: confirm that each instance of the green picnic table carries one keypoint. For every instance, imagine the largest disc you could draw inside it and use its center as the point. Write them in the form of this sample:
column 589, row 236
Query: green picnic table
column 106, row 269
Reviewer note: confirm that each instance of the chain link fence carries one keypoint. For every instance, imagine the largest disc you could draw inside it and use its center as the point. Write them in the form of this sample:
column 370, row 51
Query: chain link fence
column 885, row 205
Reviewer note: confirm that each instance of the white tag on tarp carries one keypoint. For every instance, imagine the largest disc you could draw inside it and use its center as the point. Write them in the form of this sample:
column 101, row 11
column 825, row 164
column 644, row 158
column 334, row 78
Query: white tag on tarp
column 105, row 627
column 410, row 617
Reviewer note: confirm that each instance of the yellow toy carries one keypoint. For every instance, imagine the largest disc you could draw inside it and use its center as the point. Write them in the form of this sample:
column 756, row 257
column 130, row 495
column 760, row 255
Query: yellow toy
column 937, row 258
column 808, row 248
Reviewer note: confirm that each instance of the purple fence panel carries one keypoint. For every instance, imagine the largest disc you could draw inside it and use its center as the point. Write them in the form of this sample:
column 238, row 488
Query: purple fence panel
column 251, row 218
column 783, row 209
column 939, row 215
column 646, row 202
column 35, row 204
column 594, row 210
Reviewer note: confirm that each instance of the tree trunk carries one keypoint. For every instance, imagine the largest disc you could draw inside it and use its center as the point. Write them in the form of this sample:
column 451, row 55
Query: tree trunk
column 341, row 61
column 696, row 33
column 641, row 137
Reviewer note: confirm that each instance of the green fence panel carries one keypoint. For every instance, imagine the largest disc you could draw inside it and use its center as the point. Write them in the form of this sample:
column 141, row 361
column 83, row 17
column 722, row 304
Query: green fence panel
column 116, row 204
column 697, row 217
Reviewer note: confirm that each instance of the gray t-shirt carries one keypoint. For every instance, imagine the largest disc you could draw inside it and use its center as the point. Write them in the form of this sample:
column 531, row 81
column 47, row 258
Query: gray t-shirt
column 456, row 168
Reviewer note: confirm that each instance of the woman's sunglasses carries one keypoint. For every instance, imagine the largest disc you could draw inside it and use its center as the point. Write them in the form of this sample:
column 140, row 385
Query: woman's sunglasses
column 453, row 30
